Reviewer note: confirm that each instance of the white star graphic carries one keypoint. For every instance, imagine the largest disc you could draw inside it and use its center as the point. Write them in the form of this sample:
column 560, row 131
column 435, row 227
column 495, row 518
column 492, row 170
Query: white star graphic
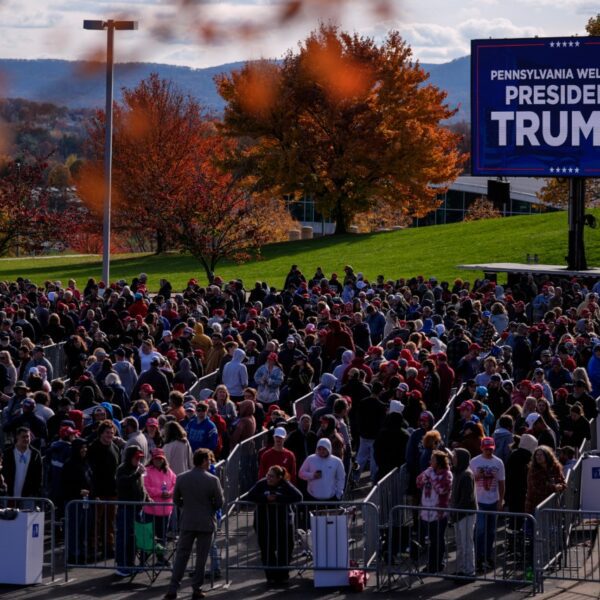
column 564, row 44
column 551, row 44
column 570, row 44
column 564, row 169
column 551, row 169
column 577, row 44
column 576, row 170
column 570, row 170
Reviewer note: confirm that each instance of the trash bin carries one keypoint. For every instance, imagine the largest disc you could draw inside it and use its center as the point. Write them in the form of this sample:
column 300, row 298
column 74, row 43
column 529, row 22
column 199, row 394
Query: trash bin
column 22, row 548
column 330, row 547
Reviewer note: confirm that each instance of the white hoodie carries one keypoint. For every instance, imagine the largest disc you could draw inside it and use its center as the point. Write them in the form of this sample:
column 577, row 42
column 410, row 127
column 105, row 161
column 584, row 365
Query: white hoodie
column 333, row 475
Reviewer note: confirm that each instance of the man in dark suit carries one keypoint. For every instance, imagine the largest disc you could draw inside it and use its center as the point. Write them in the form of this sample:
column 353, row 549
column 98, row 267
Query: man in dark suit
column 23, row 467
column 200, row 495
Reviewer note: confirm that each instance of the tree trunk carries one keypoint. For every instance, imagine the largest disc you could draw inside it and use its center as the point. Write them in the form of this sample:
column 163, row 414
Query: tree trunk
column 340, row 219
column 160, row 242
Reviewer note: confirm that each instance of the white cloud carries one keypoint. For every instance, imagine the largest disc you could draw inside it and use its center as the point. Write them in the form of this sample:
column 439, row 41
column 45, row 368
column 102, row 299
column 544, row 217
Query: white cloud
column 499, row 27
column 438, row 30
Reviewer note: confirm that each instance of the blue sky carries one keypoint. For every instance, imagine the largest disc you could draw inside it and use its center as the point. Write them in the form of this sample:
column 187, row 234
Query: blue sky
column 438, row 30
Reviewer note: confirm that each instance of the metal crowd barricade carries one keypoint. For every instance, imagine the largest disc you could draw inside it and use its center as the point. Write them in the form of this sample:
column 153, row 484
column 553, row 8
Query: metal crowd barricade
column 208, row 381
column 389, row 492
column 241, row 466
column 446, row 422
column 569, row 544
column 103, row 534
column 301, row 406
column 419, row 548
column 57, row 358
column 46, row 506
column 329, row 538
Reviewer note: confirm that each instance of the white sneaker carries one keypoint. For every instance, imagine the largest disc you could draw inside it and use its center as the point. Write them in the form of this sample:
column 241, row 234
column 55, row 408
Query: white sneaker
column 121, row 573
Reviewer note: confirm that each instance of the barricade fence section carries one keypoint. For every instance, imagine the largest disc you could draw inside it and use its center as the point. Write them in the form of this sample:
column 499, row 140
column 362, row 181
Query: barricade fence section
column 241, row 466
column 41, row 514
column 569, row 544
column 129, row 536
column 58, row 359
column 446, row 422
column 459, row 544
column 208, row 381
column 328, row 538
column 389, row 492
column 301, row 406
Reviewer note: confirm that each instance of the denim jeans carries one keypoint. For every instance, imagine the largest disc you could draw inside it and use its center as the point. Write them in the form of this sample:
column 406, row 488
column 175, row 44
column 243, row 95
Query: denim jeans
column 485, row 534
column 125, row 550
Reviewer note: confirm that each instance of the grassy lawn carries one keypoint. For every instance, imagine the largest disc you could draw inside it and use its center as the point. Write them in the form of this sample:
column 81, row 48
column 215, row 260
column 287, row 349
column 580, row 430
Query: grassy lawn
column 427, row 251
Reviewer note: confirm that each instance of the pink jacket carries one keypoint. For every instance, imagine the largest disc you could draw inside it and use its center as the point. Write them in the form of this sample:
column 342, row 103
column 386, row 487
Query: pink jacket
column 153, row 482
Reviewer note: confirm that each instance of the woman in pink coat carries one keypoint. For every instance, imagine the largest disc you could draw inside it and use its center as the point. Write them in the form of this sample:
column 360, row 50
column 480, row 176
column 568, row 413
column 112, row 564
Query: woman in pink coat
column 159, row 482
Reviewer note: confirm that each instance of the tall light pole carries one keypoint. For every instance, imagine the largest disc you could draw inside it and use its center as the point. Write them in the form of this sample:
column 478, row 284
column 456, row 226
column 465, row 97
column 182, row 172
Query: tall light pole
column 110, row 26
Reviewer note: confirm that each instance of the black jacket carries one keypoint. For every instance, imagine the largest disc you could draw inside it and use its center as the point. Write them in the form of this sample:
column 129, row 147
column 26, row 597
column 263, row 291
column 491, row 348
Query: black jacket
column 104, row 461
column 32, row 487
column 76, row 476
column 463, row 485
column 390, row 444
column 129, row 478
column 517, row 466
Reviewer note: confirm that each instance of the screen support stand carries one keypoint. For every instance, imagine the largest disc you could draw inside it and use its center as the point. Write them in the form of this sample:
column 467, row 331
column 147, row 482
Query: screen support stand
column 576, row 258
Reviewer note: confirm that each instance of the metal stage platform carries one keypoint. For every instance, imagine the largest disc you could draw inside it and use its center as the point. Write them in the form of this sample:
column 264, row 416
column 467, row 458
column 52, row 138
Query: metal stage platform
column 533, row 269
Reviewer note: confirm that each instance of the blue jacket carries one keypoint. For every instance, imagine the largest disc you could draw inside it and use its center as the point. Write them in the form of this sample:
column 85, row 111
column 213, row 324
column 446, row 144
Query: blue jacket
column 202, row 434
column 593, row 370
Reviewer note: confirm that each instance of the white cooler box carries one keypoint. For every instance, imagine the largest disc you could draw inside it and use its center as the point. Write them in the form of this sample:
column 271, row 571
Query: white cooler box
column 329, row 532
column 590, row 483
column 22, row 549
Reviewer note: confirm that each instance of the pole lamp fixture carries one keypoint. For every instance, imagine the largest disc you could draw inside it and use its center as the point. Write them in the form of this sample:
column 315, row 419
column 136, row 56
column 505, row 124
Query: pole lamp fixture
column 110, row 27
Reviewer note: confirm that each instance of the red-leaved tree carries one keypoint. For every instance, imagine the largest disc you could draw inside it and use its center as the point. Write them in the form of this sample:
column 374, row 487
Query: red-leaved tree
column 217, row 217
column 29, row 220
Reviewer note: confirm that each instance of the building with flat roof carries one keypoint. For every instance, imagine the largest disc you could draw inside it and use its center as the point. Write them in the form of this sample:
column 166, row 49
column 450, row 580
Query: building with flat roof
column 455, row 203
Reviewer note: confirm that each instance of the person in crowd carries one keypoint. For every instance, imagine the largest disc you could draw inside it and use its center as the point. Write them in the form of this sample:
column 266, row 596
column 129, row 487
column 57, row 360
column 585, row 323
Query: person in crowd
column 78, row 484
column 576, row 428
column 22, row 467
column 177, row 449
column 567, row 458
column 489, row 476
column 235, row 375
column 245, row 426
column 201, row 431
column 545, row 477
column 104, row 458
column 391, row 441
column 269, row 378
column 278, row 455
column 199, row 495
column 273, row 521
column 159, row 483
column 130, row 488
column 503, row 437
column 463, row 497
column 435, row 484
column 302, row 442
column 324, row 474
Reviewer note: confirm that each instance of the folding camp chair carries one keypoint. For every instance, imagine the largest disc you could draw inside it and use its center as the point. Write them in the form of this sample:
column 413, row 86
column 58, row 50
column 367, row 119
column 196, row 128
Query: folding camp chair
column 152, row 556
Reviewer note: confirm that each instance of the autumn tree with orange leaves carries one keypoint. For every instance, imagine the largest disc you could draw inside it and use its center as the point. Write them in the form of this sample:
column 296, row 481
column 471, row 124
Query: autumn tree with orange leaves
column 156, row 133
column 218, row 218
column 349, row 122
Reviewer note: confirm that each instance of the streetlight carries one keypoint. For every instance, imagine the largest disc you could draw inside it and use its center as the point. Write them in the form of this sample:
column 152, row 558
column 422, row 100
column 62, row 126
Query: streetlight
column 110, row 26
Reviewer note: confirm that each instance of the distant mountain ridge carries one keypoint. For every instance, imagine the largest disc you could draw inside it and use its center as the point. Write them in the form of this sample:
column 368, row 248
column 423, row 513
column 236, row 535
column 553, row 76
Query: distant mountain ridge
column 82, row 85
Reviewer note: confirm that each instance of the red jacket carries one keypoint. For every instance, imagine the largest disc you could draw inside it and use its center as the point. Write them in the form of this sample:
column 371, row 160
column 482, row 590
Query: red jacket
column 284, row 458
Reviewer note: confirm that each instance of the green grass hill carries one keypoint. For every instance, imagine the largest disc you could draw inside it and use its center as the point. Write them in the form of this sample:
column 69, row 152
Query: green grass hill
column 435, row 250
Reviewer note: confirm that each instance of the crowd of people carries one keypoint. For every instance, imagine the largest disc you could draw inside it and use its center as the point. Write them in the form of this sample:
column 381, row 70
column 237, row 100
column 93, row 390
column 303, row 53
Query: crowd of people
column 379, row 357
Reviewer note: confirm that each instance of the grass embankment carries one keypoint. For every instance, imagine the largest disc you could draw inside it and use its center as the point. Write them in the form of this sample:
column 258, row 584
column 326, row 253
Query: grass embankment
column 428, row 251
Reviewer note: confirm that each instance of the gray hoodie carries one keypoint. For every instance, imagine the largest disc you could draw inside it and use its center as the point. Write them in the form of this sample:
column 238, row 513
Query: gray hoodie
column 463, row 485
column 235, row 374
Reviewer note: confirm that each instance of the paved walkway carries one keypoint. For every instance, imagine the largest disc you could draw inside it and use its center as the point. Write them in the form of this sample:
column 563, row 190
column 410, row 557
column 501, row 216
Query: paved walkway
column 93, row 584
